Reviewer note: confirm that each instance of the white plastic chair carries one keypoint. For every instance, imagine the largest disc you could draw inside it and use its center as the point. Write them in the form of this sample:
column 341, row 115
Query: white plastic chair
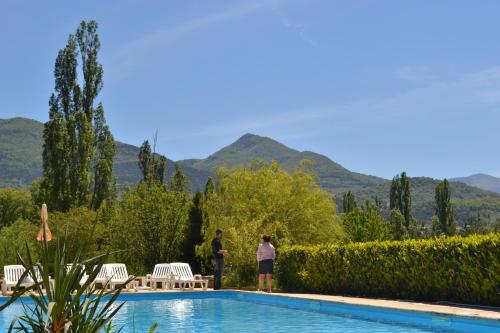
column 117, row 274
column 12, row 274
column 184, row 276
column 162, row 274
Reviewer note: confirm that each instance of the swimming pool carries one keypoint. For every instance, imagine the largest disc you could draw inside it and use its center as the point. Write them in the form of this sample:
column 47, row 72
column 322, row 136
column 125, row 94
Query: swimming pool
column 232, row 311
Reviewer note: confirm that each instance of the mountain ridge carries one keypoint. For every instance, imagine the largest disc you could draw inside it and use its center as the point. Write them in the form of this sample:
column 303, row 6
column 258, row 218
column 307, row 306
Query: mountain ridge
column 21, row 163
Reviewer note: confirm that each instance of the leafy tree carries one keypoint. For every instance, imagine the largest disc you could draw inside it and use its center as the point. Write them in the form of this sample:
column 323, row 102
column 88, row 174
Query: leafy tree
column 15, row 204
column 152, row 165
column 150, row 224
column 78, row 147
column 80, row 229
column 444, row 223
column 349, row 202
column 365, row 224
column 16, row 237
column 398, row 228
column 250, row 201
column 379, row 204
column 476, row 225
column 194, row 236
column 179, row 181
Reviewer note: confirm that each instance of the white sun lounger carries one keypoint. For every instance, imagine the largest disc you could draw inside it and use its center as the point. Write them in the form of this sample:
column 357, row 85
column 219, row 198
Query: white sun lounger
column 117, row 274
column 12, row 274
column 184, row 276
column 162, row 274
column 102, row 277
column 84, row 277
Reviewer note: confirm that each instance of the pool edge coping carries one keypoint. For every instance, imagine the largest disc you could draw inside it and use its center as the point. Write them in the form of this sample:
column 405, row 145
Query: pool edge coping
column 435, row 309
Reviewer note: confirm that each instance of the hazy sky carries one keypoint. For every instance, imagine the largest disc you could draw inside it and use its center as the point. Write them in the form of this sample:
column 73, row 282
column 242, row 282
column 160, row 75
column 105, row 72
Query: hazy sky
column 378, row 86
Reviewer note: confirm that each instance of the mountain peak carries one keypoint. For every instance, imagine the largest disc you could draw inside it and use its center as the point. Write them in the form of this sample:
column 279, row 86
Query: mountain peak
column 481, row 180
column 251, row 141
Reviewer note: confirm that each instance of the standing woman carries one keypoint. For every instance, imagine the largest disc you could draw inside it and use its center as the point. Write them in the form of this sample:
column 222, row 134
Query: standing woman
column 265, row 257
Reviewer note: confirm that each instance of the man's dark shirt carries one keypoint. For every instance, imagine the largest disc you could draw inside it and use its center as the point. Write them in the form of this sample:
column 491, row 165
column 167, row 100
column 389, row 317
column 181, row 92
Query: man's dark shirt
column 216, row 246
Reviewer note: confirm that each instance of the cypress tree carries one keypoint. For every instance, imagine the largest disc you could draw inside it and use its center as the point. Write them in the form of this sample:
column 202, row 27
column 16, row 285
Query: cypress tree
column 406, row 204
column 445, row 221
column 194, row 235
column 349, row 202
column 209, row 188
column 78, row 147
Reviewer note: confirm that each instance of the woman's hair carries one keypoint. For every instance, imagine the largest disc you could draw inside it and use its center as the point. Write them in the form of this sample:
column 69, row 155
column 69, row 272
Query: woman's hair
column 266, row 238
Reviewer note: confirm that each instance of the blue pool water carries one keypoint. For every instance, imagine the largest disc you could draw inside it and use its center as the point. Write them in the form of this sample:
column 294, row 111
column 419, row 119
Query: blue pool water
column 230, row 311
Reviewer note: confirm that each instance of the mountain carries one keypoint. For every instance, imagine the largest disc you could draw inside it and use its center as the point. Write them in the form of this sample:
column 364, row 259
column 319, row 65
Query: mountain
column 20, row 151
column 21, row 163
column 480, row 180
column 21, row 156
column 330, row 175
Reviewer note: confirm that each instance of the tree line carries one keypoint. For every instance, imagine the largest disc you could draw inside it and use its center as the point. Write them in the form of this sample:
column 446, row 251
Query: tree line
column 370, row 225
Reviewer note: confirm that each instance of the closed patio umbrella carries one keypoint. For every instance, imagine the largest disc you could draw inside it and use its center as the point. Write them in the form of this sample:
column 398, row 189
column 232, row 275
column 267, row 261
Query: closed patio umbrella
column 44, row 221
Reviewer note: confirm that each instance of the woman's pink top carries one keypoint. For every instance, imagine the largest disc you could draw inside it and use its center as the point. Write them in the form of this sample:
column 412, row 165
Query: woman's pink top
column 265, row 251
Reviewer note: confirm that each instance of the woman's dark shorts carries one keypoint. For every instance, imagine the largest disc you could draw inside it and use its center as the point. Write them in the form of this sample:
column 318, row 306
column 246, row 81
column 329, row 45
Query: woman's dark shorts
column 266, row 266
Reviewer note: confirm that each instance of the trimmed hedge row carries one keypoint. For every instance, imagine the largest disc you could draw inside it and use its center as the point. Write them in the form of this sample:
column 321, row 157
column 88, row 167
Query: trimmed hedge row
column 459, row 269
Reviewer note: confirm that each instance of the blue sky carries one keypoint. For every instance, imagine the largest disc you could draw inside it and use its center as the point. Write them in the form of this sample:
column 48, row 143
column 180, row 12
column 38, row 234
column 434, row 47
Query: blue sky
column 378, row 86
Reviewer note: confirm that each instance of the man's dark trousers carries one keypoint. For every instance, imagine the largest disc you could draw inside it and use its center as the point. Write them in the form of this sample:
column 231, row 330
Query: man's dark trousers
column 219, row 269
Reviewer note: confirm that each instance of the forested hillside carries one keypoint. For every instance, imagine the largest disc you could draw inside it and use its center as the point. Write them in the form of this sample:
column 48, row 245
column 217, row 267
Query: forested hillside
column 21, row 163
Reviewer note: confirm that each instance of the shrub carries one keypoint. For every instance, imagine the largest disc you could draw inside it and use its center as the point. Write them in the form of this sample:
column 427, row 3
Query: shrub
column 460, row 269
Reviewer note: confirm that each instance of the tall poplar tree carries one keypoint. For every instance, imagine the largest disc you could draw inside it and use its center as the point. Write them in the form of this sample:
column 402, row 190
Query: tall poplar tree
column 444, row 223
column 179, row 181
column 400, row 199
column 151, row 164
column 349, row 202
column 395, row 194
column 78, row 147
column 209, row 188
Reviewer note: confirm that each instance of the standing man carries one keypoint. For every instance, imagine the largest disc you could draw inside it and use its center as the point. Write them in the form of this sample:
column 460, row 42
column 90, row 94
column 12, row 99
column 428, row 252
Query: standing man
column 219, row 253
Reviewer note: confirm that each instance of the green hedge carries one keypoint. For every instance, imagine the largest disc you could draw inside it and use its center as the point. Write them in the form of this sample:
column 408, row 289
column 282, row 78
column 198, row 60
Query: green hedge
column 459, row 269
